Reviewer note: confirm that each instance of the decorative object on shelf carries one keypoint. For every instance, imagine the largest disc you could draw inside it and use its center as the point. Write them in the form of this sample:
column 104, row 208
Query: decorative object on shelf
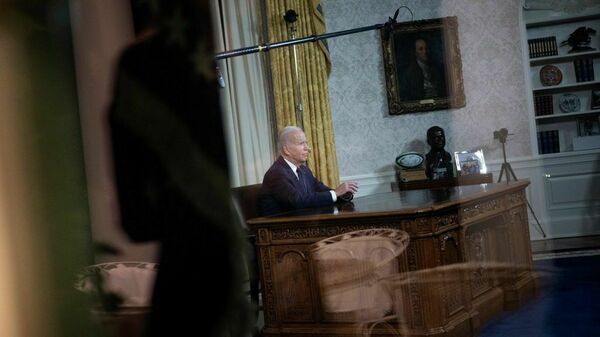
column 569, row 7
column 588, row 131
column 579, row 40
column 543, row 46
column 569, row 103
column 406, row 175
column 470, row 162
column 584, row 69
column 586, row 143
column 588, row 126
column 550, row 75
column 409, row 167
column 595, row 99
column 543, row 105
column 422, row 66
column 410, row 160
column 438, row 162
column 548, row 141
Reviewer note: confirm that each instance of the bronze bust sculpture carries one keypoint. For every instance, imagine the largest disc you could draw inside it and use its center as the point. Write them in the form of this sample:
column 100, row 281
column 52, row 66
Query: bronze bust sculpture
column 438, row 162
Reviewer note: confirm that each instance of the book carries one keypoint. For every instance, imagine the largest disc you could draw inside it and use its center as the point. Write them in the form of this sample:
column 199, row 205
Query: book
column 578, row 67
column 542, row 47
column 548, row 141
column 405, row 175
column 595, row 99
column 543, row 105
column 588, row 69
column 555, row 144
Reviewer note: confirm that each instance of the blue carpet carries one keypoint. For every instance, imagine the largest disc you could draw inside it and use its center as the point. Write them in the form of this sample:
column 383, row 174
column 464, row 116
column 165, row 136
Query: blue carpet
column 568, row 303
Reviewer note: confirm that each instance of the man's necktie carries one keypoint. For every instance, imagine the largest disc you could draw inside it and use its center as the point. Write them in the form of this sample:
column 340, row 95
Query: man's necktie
column 301, row 178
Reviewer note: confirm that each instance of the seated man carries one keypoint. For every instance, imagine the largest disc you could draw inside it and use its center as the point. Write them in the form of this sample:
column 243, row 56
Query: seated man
column 289, row 184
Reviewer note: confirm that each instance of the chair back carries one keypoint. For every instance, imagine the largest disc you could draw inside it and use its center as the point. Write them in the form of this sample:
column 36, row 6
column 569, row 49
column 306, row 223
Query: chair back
column 349, row 267
column 247, row 200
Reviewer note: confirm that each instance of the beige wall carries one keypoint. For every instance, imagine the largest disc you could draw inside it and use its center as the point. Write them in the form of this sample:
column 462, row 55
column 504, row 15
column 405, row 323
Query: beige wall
column 368, row 139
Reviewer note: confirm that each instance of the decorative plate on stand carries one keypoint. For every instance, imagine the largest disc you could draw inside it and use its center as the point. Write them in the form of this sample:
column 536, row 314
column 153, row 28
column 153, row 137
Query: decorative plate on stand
column 569, row 103
column 410, row 160
column 550, row 75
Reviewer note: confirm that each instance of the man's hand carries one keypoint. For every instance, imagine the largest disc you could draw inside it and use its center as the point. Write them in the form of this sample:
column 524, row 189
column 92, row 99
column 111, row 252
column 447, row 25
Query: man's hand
column 346, row 187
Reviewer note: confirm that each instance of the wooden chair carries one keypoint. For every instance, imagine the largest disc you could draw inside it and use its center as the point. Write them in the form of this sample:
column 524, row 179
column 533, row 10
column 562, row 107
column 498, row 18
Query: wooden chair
column 246, row 198
column 349, row 268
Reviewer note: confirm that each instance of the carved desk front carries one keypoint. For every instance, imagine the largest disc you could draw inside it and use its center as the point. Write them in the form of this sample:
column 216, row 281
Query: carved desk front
column 479, row 225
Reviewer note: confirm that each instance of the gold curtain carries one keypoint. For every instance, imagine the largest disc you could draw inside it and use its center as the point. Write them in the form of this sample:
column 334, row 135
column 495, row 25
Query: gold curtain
column 314, row 67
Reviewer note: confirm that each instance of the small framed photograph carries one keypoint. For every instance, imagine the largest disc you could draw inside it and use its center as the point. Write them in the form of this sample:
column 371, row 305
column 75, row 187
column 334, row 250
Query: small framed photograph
column 470, row 162
column 595, row 99
column 588, row 126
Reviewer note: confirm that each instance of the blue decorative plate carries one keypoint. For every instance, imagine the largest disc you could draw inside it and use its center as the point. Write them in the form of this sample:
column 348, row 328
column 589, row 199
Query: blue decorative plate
column 569, row 103
column 410, row 160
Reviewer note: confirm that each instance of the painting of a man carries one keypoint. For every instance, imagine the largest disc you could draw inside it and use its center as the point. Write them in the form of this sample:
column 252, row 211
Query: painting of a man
column 420, row 70
column 422, row 66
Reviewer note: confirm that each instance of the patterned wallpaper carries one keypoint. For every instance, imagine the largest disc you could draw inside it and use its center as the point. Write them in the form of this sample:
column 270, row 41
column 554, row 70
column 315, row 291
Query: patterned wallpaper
column 368, row 139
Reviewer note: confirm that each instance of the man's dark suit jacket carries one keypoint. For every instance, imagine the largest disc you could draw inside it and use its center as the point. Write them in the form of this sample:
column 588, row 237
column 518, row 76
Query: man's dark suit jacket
column 412, row 81
column 282, row 191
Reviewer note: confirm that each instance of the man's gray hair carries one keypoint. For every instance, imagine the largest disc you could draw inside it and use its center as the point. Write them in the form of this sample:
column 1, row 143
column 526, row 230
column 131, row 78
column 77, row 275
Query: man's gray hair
column 284, row 136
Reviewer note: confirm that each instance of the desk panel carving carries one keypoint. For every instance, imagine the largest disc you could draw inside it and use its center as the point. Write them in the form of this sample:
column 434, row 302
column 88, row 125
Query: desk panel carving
column 291, row 277
column 287, row 234
column 445, row 222
column 481, row 209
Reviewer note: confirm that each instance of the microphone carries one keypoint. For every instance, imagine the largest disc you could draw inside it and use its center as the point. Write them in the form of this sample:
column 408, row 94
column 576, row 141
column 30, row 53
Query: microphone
column 220, row 79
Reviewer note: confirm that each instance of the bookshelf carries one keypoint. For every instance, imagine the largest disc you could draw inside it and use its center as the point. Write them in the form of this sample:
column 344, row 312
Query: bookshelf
column 563, row 84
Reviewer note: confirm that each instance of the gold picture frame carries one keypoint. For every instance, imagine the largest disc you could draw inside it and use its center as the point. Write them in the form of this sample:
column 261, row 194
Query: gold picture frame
column 417, row 83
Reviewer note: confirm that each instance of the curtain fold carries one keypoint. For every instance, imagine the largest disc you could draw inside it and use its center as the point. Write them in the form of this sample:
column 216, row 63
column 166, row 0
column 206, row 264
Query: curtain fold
column 314, row 68
column 244, row 98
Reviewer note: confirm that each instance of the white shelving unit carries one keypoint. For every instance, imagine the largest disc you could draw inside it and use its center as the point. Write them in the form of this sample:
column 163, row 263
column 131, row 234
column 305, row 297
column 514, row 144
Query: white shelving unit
column 568, row 124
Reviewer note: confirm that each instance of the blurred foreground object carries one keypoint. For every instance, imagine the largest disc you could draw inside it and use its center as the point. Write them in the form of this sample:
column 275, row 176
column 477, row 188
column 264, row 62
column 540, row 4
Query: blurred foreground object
column 123, row 291
column 349, row 268
column 172, row 174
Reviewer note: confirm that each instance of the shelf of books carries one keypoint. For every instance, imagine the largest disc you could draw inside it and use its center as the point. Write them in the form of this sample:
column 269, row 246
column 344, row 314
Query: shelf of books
column 564, row 65
column 564, row 58
column 533, row 21
column 566, row 116
column 566, row 87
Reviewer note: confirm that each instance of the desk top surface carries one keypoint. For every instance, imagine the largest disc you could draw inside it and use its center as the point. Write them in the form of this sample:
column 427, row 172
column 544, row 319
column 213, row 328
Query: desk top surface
column 395, row 203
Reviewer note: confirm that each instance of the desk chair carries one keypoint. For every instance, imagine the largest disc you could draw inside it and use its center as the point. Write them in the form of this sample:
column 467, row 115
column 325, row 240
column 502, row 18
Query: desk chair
column 349, row 268
column 124, row 291
column 246, row 199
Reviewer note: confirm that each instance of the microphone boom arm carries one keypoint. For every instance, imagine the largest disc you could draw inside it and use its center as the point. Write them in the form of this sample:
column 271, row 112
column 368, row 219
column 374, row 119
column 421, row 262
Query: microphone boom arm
column 312, row 38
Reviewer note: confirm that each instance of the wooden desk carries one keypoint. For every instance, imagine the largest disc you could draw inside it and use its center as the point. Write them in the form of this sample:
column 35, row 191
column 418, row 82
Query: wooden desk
column 475, row 223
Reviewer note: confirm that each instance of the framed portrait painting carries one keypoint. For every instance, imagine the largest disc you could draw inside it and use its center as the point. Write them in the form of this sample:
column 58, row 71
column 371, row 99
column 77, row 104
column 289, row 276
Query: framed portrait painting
column 423, row 69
